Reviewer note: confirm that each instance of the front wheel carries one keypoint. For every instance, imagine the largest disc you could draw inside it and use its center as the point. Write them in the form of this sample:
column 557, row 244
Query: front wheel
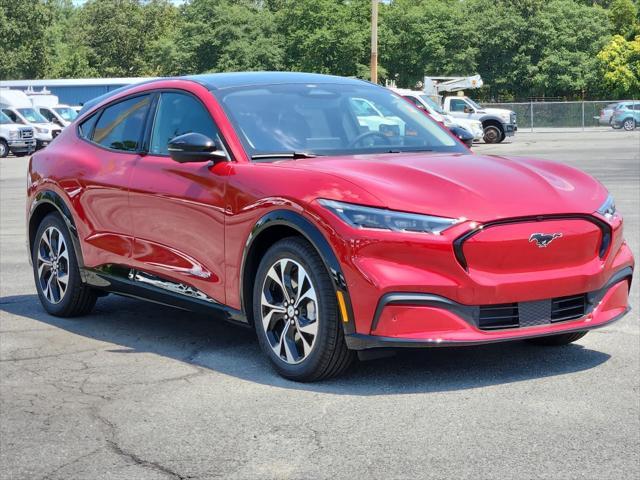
column 4, row 148
column 629, row 124
column 296, row 315
column 492, row 134
column 557, row 340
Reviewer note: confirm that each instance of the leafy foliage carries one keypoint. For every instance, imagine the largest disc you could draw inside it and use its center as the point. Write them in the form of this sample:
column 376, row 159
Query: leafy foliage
column 620, row 65
column 522, row 48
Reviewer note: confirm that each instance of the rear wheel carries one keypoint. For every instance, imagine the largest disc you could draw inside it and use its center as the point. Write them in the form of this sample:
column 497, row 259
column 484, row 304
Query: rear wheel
column 557, row 340
column 4, row 148
column 493, row 134
column 56, row 273
column 629, row 124
column 295, row 313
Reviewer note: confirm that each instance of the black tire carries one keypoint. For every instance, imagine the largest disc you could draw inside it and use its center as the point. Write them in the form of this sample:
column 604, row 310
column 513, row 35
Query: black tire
column 557, row 340
column 493, row 134
column 329, row 355
column 4, row 148
column 78, row 299
column 629, row 124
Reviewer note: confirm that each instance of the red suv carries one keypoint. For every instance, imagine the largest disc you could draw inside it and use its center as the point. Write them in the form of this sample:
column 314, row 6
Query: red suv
column 274, row 200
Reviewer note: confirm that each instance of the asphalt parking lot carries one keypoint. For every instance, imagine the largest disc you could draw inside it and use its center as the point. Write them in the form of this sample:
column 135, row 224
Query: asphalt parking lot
column 141, row 391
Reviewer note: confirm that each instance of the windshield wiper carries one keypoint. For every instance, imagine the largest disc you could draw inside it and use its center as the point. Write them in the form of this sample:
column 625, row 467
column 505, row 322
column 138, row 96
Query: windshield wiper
column 294, row 155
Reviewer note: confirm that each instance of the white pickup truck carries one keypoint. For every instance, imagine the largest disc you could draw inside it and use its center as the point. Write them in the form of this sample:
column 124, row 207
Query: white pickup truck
column 497, row 123
column 15, row 138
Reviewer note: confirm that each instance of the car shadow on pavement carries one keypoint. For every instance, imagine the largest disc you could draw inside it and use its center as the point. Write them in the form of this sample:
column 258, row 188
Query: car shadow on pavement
column 137, row 327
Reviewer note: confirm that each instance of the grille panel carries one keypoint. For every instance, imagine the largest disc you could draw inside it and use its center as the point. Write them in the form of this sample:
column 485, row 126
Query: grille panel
column 530, row 314
column 568, row 308
column 493, row 317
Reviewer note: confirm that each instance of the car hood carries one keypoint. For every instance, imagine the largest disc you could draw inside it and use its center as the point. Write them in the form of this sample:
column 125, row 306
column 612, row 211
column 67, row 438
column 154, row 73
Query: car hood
column 476, row 187
column 495, row 111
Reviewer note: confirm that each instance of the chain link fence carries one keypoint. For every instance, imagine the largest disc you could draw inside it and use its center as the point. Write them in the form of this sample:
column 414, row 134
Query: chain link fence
column 569, row 115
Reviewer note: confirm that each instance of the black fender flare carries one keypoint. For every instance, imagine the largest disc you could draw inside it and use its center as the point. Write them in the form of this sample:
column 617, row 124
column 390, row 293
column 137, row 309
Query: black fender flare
column 52, row 198
column 313, row 235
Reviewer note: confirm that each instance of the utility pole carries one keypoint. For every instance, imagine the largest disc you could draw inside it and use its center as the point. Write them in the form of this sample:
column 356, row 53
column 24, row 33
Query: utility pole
column 374, row 41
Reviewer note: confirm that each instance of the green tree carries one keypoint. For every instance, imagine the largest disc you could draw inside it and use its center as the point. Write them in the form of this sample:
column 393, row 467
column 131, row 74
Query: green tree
column 219, row 35
column 427, row 37
column 23, row 35
column 325, row 36
column 117, row 34
column 565, row 39
column 624, row 17
column 620, row 67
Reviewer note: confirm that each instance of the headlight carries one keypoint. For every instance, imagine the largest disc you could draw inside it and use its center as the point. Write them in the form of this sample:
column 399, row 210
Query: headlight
column 14, row 134
column 42, row 130
column 359, row 216
column 506, row 117
column 608, row 208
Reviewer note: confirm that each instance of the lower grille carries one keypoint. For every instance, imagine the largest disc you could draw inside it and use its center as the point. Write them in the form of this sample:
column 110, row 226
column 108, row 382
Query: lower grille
column 493, row 317
column 529, row 314
column 568, row 308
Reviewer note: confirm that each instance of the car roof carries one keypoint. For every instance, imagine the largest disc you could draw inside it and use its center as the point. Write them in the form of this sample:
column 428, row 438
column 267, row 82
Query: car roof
column 218, row 81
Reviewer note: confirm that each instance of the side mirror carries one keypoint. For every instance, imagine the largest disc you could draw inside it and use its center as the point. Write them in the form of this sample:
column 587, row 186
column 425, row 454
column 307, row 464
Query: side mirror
column 194, row 148
column 468, row 109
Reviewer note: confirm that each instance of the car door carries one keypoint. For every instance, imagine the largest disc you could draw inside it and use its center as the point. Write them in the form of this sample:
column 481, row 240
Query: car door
column 115, row 135
column 178, row 208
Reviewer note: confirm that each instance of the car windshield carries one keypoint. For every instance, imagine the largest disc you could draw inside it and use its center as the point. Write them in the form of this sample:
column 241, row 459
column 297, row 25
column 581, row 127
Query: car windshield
column 298, row 120
column 31, row 115
column 474, row 104
column 4, row 118
column 67, row 113
column 429, row 101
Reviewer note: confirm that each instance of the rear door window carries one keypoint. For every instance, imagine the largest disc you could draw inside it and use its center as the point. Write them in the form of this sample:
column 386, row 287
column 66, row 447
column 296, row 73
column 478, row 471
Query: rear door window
column 120, row 126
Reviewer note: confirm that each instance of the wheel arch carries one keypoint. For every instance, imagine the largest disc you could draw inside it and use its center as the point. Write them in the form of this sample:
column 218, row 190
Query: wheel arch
column 269, row 229
column 493, row 121
column 44, row 203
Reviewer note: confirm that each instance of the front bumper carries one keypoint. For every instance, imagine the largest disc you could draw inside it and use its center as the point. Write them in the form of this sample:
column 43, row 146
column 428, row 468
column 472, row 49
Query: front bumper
column 22, row 145
column 424, row 320
column 510, row 129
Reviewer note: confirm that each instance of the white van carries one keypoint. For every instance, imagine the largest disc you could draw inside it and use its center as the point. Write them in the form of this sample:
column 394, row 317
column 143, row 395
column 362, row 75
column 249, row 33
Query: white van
column 16, row 105
column 14, row 138
column 49, row 106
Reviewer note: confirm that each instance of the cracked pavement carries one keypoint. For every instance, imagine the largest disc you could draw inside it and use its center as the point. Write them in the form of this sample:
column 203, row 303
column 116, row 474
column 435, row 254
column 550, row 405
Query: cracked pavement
column 142, row 391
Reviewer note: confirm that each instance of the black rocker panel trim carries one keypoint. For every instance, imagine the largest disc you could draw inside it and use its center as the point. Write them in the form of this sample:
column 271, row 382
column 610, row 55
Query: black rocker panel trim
column 123, row 280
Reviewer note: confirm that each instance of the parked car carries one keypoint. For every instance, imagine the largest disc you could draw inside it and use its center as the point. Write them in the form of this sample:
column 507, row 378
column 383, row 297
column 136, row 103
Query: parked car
column 426, row 103
column 260, row 197
column 498, row 123
column 463, row 135
column 49, row 106
column 606, row 114
column 16, row 105
column 15, row 138
column 626, row 115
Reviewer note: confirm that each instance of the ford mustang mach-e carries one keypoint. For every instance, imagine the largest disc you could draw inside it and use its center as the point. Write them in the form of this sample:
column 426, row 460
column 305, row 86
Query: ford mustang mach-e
column 269, row 199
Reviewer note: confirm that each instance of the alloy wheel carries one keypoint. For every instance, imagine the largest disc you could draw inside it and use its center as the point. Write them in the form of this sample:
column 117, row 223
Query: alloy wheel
column 4, row 149
column 52, row 265
column 629, row 124
column 289, row 310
